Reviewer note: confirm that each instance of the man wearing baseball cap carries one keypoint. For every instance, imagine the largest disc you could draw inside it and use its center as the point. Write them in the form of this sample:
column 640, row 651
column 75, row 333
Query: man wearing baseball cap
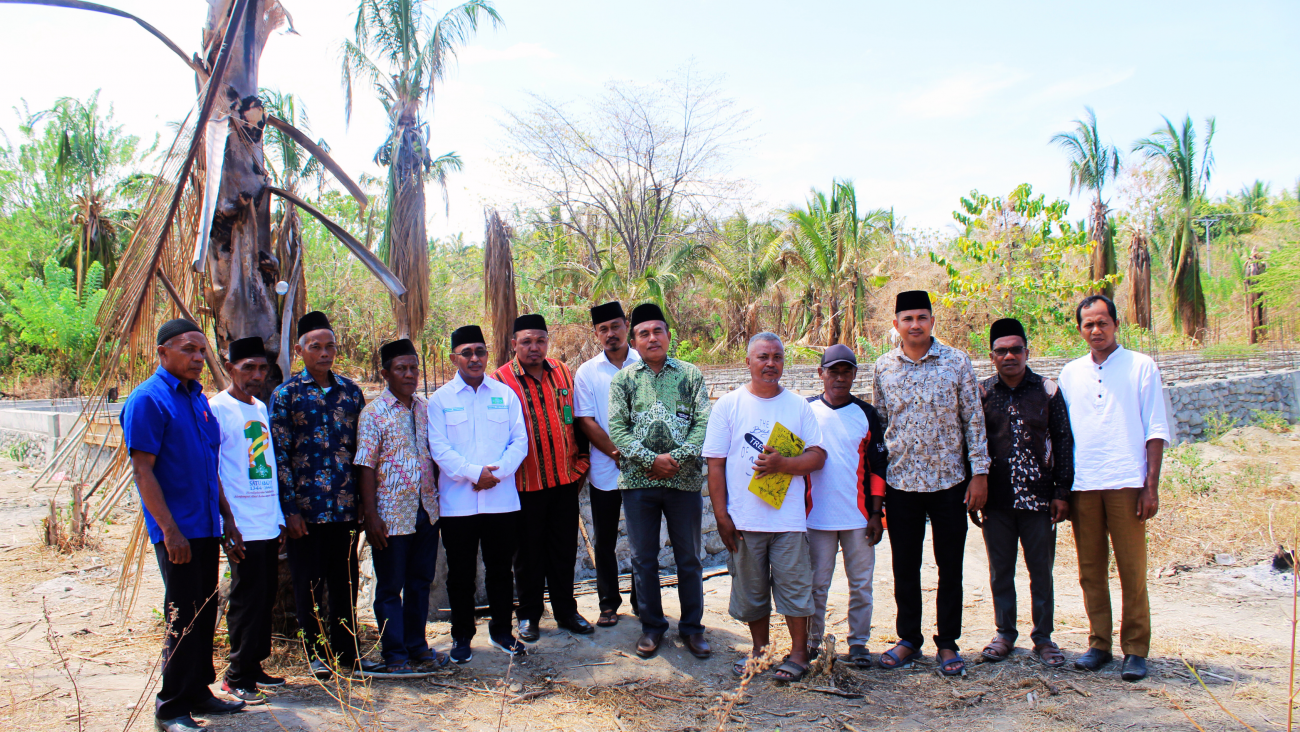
column 847, row 496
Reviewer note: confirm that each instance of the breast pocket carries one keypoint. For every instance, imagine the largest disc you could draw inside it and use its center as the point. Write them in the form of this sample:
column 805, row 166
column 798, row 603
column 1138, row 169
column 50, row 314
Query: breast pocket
column 498, row 425
column 458, row 428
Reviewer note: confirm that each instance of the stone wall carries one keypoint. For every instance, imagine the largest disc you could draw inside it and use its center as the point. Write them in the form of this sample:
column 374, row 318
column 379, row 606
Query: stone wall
column 1193, row 405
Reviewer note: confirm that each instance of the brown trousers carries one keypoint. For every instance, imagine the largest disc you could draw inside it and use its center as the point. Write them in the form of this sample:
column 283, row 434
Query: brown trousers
column 1102, row 519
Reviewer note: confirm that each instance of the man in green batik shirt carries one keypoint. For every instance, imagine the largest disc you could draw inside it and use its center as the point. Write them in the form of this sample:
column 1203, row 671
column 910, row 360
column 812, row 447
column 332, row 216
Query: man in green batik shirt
column 658, row 413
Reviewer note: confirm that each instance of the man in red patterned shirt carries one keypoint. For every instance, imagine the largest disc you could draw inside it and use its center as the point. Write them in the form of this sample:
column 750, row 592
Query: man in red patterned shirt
column 548, row 481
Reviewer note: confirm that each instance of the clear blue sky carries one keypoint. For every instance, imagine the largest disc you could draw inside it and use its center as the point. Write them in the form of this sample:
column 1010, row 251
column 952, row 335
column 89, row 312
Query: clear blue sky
column 916, row 102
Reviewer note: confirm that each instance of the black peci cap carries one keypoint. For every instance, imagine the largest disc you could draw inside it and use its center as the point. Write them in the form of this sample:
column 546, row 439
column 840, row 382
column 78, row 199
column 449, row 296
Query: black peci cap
column 393, row 349
column 173, row 328
column 246, row 348
column 315, row 320
column 647, row 311
column 467, row 334
column 531, row 321
column 607, row 312
column 912, row 300
column 1006, row 327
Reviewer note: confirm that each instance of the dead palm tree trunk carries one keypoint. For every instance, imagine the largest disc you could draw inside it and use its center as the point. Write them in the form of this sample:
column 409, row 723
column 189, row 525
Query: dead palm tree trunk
column 1102, row 235
column 407, row 242
column 499, row 303
column 1255, row 266
column 1139, row 281
column 1189, row 299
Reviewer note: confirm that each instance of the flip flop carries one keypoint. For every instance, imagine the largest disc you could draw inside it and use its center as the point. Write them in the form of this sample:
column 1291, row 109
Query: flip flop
column 738, row 667
column 607, row 619
column 947, row 667
column 998, row 649
column 793, row 671
column 1050, row 654
column 898, row 662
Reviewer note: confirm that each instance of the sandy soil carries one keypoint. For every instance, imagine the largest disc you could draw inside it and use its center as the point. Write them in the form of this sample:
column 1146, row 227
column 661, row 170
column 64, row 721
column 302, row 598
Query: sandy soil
column 1231, row 622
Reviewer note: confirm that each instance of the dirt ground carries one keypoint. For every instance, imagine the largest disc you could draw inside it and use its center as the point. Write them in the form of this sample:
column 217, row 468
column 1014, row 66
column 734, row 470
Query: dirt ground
column 1231, row 622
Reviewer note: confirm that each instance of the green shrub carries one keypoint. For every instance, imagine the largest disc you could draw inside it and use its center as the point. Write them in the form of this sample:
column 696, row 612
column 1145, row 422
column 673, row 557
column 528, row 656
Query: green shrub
column 1271, row 421
column 1217, row 424
column 49, row 317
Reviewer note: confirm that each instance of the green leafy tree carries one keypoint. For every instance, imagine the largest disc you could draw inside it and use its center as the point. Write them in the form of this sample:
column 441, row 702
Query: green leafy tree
column 1093, row 164
column 1187, row 171
column 1017, row 256
column 51, row 318
column 401, row 52
column 742, row 267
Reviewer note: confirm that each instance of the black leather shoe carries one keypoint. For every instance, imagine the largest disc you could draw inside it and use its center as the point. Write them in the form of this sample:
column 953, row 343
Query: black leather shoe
column 528, row 631
column 697, row 645
column 1093, row 660
column 212, row 705
column 649, row 644
column 179, row 724
column 576, row 624
column 1134, row 669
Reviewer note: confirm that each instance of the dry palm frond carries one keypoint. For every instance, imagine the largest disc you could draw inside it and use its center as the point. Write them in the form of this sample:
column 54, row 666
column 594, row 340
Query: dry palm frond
column 499, row 301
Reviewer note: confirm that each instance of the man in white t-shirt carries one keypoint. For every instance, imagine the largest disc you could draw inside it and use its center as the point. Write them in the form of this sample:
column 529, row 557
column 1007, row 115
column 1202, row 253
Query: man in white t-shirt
column 847, row 499
column 1117, row 416
column 591, row 408
column 246, row 465
column 765, row 535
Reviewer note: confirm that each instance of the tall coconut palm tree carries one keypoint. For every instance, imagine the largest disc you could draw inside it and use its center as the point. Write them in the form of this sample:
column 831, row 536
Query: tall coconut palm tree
column 91, row 152
column 743, row 266
column 1093, row 164
column 1187, row 172
column 831, row 246
column 402, row 55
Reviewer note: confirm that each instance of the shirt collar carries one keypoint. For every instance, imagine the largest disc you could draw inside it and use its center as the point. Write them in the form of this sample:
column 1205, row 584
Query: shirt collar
column 518, row 368
column 1029, row 378
column 1111, row 357
column 632, row 357
column 460, row 384
column 174, row 383
column 390, row 399
column 932, row 352
column 641, row 365
column 305, row 377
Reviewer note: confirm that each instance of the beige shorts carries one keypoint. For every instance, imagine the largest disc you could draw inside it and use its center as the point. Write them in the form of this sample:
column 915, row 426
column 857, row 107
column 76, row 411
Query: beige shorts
column 769, row 566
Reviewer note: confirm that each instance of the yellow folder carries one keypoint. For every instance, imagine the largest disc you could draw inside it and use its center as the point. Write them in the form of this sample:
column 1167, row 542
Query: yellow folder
column 773, row 486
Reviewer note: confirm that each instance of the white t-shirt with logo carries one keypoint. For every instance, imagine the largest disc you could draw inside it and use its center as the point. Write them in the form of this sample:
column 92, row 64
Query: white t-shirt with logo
column 739, row 425
column 247, row 466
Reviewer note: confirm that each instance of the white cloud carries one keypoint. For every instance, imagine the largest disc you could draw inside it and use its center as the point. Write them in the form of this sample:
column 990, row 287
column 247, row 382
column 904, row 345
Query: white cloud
column 960, row 94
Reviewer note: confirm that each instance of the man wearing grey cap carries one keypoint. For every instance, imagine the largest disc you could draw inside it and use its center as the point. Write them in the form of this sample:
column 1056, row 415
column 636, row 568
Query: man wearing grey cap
column 846, row 497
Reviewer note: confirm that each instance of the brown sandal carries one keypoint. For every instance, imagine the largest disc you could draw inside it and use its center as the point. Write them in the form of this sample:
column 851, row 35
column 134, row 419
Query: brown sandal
column 998, row 649
column 607, row 619
column 1050, row 654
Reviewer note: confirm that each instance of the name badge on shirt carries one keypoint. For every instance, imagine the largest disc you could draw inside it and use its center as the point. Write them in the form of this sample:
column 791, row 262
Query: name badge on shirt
column 683, row 412
column 497, row 403
column 452, row 409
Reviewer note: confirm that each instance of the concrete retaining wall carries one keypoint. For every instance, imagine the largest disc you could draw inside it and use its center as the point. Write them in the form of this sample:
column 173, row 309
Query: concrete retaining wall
column 1193, row 405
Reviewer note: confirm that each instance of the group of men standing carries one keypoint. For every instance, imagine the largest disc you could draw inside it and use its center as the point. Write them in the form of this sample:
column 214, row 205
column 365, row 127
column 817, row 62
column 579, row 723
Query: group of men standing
column 493, row 464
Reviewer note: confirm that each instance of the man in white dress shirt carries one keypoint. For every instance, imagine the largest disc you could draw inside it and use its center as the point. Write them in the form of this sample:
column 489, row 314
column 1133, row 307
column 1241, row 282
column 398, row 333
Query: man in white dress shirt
column 1117, row 414
column 477, row 437
column 592, row 410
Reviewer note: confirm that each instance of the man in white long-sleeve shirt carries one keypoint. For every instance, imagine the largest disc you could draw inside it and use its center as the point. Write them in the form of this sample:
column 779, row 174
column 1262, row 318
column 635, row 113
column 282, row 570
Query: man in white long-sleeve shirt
column 477, row 437
column 1117, row 415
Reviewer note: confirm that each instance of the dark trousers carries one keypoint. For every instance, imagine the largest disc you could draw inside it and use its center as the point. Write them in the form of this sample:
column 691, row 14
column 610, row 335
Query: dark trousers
column 253, row 584
column 462, row 536
column 548, row 549
column 906, row 513
column 1005, row 531
column 190, row 608
column 403, row 572
column 605, row 508
column 682, row 510
column 325, row 577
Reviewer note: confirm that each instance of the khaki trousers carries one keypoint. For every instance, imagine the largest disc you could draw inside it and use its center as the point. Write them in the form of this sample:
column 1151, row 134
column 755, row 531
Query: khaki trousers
column 1102, row 519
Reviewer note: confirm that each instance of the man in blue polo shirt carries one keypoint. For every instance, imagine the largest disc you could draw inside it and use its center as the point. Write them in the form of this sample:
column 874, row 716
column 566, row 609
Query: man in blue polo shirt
column 173, row 438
